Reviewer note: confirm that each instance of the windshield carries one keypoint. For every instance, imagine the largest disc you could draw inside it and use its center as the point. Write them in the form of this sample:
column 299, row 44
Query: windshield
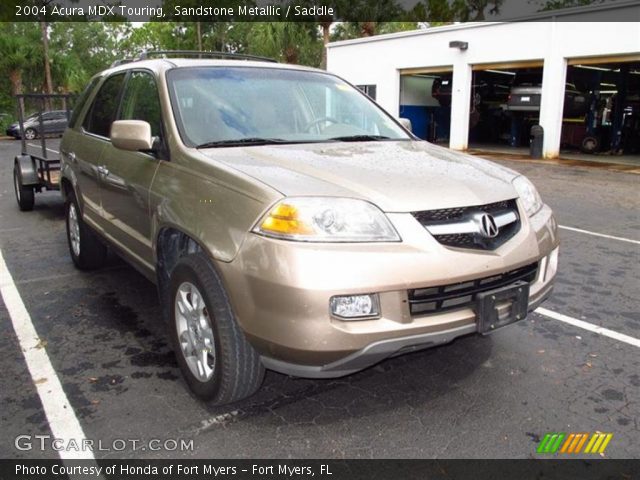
column 233, row 106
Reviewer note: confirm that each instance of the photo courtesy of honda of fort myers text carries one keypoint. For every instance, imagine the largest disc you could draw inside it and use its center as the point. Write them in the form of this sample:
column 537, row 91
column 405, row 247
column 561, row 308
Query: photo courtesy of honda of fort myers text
column 319, row 239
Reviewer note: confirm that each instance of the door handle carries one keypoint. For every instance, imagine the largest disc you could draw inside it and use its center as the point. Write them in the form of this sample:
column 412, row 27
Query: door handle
column 71, row 156
column 102, row 170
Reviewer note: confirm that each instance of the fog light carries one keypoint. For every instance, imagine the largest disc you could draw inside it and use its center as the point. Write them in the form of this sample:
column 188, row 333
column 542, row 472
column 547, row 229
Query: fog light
column 355, row 306
column 552, row 264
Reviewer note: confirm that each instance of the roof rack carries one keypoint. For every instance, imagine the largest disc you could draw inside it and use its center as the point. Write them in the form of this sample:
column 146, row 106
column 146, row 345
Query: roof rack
column 122, row 61
column 206, row 54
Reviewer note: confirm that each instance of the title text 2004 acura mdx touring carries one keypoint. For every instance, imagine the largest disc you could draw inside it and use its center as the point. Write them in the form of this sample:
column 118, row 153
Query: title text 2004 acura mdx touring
column 292, row 224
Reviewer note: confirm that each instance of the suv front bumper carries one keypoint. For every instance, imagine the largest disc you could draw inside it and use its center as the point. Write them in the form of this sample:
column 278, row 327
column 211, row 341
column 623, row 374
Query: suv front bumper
column 280, row 292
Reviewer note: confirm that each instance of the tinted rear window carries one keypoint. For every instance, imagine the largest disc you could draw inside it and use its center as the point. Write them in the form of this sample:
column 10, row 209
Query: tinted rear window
column 105, row 106
column 82, row 99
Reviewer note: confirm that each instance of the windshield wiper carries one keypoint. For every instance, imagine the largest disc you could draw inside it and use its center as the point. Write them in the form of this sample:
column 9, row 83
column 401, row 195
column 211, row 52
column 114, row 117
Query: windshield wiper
column 239, row 142
column 359, row 138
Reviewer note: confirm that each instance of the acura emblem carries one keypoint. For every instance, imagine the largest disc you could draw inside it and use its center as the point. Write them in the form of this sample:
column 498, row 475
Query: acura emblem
column 488, row 227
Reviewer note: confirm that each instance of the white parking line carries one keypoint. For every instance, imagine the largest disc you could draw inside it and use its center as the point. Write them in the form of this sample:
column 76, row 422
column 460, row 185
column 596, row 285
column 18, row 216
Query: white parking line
column 621, row 337
column 595, row 234
column 60, row 414
column 40, row 147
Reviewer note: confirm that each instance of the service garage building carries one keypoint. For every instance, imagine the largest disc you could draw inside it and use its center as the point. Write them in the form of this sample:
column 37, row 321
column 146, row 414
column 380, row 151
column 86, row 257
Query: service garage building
column 475, row 84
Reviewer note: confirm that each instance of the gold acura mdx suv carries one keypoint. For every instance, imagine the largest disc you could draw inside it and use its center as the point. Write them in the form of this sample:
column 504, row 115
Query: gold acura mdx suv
column 290, row 223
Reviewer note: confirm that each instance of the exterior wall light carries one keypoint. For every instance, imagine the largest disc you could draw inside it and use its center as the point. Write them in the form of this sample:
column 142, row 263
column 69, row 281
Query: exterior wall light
column 458, row 44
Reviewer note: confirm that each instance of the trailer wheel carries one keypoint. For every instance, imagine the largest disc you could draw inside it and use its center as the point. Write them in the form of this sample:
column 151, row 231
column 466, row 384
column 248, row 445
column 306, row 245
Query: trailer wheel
column 86, row 249
column 590, row 144
column 25, row 195
column 30, row 134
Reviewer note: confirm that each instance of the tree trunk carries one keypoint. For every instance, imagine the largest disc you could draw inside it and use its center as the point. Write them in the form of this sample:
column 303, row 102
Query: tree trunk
column 368, row 29
column 291, row 55
column 48, row 84
column 15, row 76
column 199, row 35
column 326, row 26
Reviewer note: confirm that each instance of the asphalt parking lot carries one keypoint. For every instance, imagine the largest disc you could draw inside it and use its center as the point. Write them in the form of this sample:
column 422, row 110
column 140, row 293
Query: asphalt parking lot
column 478, row 397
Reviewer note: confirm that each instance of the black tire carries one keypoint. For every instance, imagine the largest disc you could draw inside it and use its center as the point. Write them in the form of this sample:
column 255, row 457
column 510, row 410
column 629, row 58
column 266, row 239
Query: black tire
column 91, row 253
column 25, row 196
column 30, row 134
column 237, row 371
column 590, row 144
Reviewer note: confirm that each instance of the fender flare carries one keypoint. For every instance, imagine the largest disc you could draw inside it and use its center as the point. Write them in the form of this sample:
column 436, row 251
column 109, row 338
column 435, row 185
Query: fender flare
column 27, row 168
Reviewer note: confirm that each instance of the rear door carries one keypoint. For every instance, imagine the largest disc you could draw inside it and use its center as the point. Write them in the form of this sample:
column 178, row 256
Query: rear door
column 125, row 193
column 48, row 119
column 88, row 149
column 58, row 121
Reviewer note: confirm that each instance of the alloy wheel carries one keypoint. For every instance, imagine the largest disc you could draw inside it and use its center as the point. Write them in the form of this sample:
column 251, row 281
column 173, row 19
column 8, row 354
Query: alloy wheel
column 195, row 333
column 74, row 230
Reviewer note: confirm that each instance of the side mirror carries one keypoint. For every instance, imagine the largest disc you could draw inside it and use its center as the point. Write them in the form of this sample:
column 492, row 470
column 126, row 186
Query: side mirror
column 132, row 135
column 406, row 123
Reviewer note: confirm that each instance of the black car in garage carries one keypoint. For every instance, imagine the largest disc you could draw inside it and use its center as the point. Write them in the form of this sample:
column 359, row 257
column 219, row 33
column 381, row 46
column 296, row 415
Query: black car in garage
column 526, row 93
column 54, row 122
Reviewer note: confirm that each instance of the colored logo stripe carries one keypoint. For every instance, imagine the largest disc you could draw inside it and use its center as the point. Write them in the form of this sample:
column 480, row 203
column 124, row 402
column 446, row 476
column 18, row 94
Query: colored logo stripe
column 574, row 442
column 551, row 442
column 598, row 442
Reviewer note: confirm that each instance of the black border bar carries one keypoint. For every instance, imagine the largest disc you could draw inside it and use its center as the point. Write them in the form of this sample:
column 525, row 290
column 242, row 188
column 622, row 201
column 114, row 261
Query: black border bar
column 317, row 10
column 528, row 469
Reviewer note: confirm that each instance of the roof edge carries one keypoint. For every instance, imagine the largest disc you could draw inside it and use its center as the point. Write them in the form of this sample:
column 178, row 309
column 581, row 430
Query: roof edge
column 550, row 14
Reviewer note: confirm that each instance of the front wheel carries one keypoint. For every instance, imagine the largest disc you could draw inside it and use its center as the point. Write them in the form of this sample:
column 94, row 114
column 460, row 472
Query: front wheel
column 86, row 249
column 216, row 360
column 589, row 144
column 30, row 134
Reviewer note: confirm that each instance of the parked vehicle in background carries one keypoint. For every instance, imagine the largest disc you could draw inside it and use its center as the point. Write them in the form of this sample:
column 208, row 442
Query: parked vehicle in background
column 292, row 224
column 526, row 93
column 54, row 122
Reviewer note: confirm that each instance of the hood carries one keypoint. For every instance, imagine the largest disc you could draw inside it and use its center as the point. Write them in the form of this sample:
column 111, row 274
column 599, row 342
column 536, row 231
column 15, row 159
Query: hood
column 397, row 176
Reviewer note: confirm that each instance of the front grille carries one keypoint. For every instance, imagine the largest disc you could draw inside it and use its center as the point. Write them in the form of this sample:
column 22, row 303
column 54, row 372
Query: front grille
column 460, row 240
column 430, row 218
column 430, row 300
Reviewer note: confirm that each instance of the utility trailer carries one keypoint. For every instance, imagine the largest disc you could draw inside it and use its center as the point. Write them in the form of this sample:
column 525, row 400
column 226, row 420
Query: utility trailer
column 35, row 172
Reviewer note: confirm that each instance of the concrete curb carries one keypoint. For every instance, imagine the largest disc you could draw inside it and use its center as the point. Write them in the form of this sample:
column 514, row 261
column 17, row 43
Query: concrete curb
column 566, row 162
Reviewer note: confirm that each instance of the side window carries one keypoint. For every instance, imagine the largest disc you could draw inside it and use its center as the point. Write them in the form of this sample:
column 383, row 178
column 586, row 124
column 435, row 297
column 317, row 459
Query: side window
column 105, row 106
column 370, row 90
column 141, row 101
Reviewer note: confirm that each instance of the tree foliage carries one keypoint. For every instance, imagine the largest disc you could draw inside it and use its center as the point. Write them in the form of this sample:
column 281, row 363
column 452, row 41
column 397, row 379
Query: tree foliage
column 556, row 4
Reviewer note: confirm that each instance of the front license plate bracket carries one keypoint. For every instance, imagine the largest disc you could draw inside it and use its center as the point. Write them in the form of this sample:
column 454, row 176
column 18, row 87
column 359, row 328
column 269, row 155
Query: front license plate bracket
column 501, row 307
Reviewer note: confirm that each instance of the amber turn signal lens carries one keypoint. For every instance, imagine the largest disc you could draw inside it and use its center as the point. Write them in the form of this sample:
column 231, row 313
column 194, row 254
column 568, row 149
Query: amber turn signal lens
column 284, row 219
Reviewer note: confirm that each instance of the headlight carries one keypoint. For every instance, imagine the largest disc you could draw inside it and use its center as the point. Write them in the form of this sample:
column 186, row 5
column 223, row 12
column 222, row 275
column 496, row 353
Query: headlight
column 327, row 219
column 528, row 194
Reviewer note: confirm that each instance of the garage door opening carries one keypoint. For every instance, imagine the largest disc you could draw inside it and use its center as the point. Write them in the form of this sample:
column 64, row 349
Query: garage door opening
column 609, row 121
column 505, row 104
column 425, row 99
